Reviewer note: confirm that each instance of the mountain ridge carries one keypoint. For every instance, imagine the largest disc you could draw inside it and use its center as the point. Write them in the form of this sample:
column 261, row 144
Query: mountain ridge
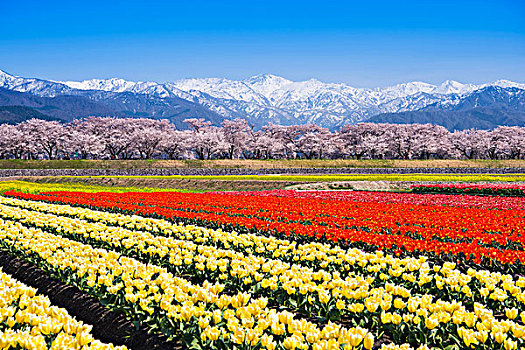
column 259, row 99
column 483, row 109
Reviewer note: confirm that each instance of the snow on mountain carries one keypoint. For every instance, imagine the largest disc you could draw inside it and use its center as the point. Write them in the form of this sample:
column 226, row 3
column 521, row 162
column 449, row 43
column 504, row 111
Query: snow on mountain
column 220, row 88
column 507, row 84
column 454, row 87
column 121, row 85
column 270, row 98
column 113, row 84
column 267, row 84
column 35, row 86
column 406, row 89
column 5, row 78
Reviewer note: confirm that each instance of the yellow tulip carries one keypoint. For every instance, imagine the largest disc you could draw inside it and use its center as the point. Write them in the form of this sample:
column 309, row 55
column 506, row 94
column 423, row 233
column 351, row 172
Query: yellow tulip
column 399, row 304
column 84, row 338
column 368, row 341
column 11, row 322
column 252, row 337
column 324, row 297
column 482, row 336
column 386, row 317
column 510, row 345
column 511, row 313
column 277, row 328
column 268, row 342
column 204, row 322
column 355, row 339
column 213, row 333
column 416, row 320
column 431, row 323
column 290, row 343
column 499, row 337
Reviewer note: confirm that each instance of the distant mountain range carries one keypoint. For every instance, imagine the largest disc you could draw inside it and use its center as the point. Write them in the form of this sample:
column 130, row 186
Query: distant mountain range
column 486, row 108
column 266, row 98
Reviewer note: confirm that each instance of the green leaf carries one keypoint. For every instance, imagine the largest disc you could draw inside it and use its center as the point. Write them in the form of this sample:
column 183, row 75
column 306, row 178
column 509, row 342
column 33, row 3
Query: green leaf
column 452, row 347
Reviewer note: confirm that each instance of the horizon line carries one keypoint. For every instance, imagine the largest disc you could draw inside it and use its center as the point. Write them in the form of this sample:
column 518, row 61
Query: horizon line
column 260, row 75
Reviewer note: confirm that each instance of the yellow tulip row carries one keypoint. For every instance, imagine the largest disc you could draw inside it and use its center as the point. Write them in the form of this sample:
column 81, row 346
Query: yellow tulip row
column 32, row 322
column 153, row 291
column 416, row 308
column 496, row 286
column 291, row 280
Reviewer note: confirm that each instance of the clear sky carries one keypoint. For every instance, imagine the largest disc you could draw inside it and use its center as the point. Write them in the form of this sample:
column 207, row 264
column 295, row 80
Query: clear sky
column 362, row 43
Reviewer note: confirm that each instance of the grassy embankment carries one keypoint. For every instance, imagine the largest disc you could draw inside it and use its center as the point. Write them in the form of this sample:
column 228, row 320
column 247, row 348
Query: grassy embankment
column 228, row 183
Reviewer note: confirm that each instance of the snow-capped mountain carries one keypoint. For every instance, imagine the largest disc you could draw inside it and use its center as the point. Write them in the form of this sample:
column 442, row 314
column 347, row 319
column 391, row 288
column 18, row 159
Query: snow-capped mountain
column 269, row 98
column 33, row 86
column 60, row 101
column 485, row 108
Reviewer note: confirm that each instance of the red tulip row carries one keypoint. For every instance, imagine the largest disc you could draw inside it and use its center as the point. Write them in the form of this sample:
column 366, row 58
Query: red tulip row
column 460, row 224
column 461, row 200
column 497, row 235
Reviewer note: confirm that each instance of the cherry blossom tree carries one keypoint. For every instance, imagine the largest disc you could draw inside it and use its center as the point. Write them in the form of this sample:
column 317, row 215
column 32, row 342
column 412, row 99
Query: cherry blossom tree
column 510, row 141
column 263, row 146
column 315, row 142
column 197, row 124
column 363, row 140
column 206, row 140
column 14, row 143
column 82, row 142
column 429, row 141
column 147, row 135
column 470, row 144
column 126, row 138
column 237, row 134
column 115, row 134
column 46, row 136
column 283, row 137
column 174, row 143
column 294, row 140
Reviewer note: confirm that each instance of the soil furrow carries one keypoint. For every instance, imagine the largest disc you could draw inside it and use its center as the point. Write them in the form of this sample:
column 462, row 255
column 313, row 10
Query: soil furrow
column 108, row 326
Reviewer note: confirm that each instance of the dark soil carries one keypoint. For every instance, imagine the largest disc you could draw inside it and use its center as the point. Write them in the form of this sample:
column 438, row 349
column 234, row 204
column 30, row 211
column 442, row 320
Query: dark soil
column 108, row 326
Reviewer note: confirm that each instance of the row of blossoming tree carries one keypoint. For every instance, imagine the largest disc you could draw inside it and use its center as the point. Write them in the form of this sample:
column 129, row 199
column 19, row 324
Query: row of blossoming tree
column 114, row 138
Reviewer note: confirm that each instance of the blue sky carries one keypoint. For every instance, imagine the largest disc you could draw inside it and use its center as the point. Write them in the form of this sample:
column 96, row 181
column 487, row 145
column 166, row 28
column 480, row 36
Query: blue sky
column 362, row 43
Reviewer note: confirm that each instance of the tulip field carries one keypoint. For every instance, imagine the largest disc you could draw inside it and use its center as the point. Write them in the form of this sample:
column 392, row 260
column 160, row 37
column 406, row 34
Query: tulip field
column 437, row 268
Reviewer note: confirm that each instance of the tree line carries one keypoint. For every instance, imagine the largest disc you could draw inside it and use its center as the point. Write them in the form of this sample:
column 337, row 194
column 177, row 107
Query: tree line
column 126, row 138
